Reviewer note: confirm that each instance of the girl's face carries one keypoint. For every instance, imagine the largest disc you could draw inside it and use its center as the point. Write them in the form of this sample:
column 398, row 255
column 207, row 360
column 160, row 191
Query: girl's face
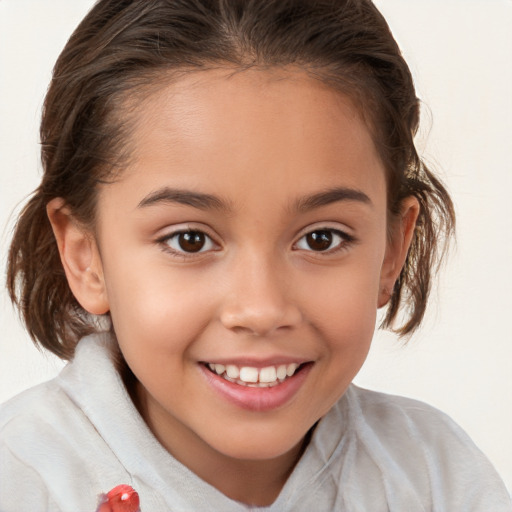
column 248, row 235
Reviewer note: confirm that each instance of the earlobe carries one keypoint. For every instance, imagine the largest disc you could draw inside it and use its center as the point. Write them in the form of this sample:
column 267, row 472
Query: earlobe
column 398, row 248
column 80, row 258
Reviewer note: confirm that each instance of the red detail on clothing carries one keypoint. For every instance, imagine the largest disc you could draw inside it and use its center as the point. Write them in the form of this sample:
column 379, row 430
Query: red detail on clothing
column 122, row 498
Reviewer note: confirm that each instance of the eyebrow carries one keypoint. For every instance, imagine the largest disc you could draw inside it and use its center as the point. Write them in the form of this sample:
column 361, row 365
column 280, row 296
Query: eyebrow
column 203, row 201
column 198, row 200
column 330, row 196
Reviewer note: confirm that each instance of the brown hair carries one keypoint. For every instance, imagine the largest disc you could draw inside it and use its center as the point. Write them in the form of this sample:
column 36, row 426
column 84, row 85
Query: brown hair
column 122, row 47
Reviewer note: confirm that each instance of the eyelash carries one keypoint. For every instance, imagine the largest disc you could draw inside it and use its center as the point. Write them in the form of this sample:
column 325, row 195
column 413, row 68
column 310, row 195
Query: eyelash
column 345, row 240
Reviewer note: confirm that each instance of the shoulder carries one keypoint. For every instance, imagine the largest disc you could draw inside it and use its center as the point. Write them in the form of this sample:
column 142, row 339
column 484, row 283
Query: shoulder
column 21, row 487
column 418, row 445
column 387, row 413
column 24, row 422
column 51, row 411
column 29, row 398
column 25, row 412
column 398, row 422
column 36, row 414
column 50, row 448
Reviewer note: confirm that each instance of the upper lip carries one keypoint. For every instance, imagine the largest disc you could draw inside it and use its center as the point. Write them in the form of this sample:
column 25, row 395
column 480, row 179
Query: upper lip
column 257, row 363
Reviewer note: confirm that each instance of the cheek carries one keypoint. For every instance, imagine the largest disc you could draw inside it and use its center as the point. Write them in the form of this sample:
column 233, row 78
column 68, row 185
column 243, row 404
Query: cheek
column 343, row 314
column 345, row 299
column 156, row 309
column 157, row 321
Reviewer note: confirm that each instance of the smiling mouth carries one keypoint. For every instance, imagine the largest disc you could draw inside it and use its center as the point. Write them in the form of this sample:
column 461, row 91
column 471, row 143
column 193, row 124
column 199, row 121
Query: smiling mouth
column 249, row 376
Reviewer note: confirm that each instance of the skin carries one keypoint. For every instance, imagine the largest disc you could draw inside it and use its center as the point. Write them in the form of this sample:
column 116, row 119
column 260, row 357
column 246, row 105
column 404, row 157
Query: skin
column 260, row 142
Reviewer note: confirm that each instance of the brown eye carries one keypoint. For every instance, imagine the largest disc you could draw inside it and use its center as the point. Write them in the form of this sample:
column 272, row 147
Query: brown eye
column 319, row 240
column 323, row 240
column 189, row 242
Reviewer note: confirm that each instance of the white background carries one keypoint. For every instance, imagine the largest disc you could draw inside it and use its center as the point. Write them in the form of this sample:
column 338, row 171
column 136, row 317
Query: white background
column 460, row 52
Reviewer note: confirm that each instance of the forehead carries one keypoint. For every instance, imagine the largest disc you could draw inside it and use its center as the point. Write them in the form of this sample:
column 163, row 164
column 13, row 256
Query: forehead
column 262, row 129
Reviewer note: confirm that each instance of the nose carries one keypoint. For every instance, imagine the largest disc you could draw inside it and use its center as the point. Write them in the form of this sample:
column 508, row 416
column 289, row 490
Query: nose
column 259, row 300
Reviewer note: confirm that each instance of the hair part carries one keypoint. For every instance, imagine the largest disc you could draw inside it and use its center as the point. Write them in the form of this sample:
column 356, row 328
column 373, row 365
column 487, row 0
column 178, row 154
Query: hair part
column 125, row 48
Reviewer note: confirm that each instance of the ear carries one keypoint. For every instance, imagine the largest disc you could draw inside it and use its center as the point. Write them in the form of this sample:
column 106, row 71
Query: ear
column 398, row 245
column 80, row 258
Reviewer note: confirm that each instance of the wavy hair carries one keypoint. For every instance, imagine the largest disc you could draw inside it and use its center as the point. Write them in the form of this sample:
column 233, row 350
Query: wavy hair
column 122, row 48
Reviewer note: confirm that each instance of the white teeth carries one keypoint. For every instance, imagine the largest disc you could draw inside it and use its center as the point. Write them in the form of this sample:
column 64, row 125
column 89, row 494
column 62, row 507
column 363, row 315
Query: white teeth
column 220, row 369
column 232, row 371
column 268, row 374
column 248, row 374
column 281, row 372
column 290, row 369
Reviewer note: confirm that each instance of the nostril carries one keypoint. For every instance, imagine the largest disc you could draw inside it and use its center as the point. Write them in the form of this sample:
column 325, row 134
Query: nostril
column 260, row 322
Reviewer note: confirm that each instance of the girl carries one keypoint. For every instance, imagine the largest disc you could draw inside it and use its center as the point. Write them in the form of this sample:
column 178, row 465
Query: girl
column 231, row 191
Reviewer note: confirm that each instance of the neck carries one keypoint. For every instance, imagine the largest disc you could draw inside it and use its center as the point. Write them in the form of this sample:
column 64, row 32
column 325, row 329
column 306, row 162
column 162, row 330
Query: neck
column 256, row 483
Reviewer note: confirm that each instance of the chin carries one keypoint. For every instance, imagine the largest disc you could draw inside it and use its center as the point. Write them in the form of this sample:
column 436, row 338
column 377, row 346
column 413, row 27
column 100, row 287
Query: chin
column 256, row 446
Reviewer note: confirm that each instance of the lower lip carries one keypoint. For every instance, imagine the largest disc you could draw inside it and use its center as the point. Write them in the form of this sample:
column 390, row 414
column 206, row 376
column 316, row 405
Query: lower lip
column 257, row 399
